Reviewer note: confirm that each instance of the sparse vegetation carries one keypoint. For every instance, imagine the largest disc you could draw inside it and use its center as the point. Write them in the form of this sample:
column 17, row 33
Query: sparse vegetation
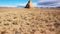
column 29, row 21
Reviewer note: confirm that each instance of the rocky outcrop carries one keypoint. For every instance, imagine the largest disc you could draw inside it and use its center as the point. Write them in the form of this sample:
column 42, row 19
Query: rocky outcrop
column 29, row 4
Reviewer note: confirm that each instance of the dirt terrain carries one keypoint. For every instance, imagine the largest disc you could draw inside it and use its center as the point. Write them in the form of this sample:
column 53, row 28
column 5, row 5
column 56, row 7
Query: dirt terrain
column 29, row 21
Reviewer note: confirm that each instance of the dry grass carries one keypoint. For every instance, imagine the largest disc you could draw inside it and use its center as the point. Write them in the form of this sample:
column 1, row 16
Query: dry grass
column 29, row 21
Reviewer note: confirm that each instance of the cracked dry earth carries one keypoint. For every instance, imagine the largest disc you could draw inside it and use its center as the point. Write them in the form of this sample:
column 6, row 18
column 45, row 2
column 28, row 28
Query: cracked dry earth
column 28, row 21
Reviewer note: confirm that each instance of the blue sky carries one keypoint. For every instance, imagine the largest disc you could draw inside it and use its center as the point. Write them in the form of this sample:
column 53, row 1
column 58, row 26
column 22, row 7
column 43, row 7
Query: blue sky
column 14, row 3
column 48, row 3
column 37, row 3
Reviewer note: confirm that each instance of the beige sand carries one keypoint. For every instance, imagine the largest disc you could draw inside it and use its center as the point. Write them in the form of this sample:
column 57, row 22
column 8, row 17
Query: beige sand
column 28, row 21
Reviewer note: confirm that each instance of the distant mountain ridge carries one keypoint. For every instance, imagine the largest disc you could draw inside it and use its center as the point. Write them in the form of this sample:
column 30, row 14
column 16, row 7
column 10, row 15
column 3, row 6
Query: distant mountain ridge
column 20, row 6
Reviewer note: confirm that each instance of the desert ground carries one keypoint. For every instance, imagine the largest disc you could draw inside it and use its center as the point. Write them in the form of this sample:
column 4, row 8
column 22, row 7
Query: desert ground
column 29, row 21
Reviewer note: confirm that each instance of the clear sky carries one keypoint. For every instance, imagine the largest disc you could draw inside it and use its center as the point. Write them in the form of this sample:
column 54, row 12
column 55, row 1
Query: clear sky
column 14, row 3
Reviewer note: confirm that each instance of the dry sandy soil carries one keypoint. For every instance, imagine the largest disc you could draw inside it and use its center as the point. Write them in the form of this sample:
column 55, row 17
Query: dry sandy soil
column 29, row 21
